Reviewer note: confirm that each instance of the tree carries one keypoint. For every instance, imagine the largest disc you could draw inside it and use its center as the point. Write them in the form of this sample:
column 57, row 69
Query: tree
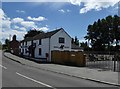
column 0, row 45
column 84, row 45
column 72, row 40
column 32, row 33
column 6, row 45
column 76, row 40
column 116, row 29
column 103, row 33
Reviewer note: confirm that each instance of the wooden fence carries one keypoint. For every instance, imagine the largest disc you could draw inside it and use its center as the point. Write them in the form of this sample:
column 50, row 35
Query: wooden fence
column 68, row 58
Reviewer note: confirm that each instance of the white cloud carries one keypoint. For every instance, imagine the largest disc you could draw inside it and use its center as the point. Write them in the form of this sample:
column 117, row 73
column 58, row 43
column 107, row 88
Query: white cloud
column 20, row 11
column 97, row 5
column 40, row 18
column 61, row 10
column 6, row 24
column 24, row 23
column 16, row 26
column 19, row 34
column 64, row 11
column 68, row 10
column 2, row 14
column 76, row 2
column 17, row 20
column 23, row 29
column 4, row 21
column 6, row 27
column 28, row 24
column 20, row 28
column 44, row 28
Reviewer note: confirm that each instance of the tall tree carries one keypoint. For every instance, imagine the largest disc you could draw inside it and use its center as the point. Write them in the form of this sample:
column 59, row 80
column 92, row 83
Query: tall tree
column 0, row 45
column 6, row 45
column 84, row 45
column 103, row 33
column 116, row 29
column 76, row 40
column 72, row 41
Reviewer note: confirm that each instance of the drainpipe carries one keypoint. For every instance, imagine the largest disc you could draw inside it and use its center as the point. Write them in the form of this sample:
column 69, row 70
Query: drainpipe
column 49, row 50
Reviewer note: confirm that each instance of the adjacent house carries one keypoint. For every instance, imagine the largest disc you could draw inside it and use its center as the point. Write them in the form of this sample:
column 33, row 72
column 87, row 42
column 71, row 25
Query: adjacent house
column 41, row 45
column 14, row 46
column 75, row 47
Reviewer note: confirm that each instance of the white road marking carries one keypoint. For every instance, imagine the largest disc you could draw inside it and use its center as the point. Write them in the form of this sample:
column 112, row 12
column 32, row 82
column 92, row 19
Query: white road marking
column 3, row 67
column 34, row 80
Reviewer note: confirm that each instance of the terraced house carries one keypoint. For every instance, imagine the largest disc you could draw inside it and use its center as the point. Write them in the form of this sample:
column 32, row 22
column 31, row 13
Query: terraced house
column 41, row 45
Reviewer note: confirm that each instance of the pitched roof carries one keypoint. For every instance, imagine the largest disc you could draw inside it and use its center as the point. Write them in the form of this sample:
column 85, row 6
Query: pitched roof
column 46, row 35
column 74, row 46
column 14, row 41
column 27, row 39
column 42, row 35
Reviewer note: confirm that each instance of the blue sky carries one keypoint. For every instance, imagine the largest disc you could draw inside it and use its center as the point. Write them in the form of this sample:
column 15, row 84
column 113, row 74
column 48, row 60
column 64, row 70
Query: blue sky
column 19, row 17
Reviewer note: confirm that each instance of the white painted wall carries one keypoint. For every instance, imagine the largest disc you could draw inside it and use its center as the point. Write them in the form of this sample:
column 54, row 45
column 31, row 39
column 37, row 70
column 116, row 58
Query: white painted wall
column 55, row 41
column 44, row 48
column 24, row 47
column 28, row 44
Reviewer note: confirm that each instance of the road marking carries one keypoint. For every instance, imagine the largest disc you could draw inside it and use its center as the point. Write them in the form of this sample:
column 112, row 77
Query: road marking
column 34, row 80
column 3, row 67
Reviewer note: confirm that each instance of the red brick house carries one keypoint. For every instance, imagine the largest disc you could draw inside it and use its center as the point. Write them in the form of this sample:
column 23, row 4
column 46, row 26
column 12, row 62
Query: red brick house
column 14, row 46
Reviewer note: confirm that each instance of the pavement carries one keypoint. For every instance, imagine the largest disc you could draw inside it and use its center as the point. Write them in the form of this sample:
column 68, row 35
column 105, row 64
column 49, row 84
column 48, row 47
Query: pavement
column 105, row 77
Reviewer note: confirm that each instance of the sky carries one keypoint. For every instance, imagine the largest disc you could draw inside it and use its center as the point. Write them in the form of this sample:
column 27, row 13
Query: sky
column 74, row 16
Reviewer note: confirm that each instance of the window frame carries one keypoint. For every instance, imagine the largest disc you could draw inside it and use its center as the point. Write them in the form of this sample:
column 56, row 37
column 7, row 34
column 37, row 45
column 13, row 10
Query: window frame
column 40, row 42
column 61, row 40
column 31, row 42
column 22, row 50
column 26, row 43
column 25, row 50
column 40, row 51
column 22, row 43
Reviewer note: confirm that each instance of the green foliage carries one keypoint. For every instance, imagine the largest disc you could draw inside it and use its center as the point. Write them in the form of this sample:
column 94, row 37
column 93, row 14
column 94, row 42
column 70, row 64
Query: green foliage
column 6, row 46
column 84, row 45
column 75, row 41
column 72, row 40
column 104, row 33
column 0, row 45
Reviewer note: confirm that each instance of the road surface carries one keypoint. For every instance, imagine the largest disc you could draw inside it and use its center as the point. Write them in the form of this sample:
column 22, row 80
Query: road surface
column 18, row 75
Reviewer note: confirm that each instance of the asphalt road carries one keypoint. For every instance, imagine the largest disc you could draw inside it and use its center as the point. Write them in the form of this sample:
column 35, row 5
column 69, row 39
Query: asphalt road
column 18, row 75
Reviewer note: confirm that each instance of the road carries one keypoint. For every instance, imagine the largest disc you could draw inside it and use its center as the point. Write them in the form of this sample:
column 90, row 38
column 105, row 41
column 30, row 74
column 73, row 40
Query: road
column 18, row 75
